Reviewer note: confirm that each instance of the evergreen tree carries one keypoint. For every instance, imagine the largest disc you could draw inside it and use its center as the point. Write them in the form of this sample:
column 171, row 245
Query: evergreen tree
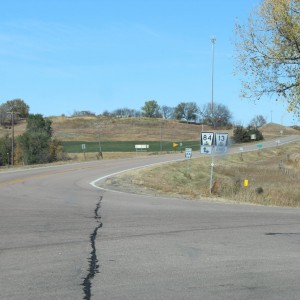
column 35, row 142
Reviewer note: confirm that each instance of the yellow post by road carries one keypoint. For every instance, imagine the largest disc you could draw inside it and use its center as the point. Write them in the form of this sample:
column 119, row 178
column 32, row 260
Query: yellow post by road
column 246, row 182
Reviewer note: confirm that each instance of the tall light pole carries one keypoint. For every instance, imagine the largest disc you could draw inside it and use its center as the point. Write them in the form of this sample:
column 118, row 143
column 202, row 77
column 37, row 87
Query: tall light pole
column 213, row 40
column 160, row 138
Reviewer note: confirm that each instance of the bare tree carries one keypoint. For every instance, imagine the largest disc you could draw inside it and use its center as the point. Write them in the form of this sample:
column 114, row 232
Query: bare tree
column 220, row 116
column 257, row 121
column 167, row 112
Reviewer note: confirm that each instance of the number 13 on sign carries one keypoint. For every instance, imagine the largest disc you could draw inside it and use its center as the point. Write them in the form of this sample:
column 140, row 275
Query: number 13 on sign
column 221, row 139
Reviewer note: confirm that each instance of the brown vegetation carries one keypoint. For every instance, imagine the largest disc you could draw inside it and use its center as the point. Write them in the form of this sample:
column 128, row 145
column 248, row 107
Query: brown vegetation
column 88, row 128
column 191, row 178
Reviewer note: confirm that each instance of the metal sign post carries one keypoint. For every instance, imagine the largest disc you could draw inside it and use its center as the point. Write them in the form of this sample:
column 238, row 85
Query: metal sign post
column 207, row 147
column 188, row 156
column 83, row 148
column 211, row 174
column 211, row 143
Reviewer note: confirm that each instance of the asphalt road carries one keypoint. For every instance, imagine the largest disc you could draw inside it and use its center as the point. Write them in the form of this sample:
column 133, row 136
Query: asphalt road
column 62, row 238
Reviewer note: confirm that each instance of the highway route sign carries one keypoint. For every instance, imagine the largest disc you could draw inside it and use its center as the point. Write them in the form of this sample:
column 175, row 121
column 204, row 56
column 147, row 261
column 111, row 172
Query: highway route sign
column 221, row 139
column 207, row 138
column 188, row 152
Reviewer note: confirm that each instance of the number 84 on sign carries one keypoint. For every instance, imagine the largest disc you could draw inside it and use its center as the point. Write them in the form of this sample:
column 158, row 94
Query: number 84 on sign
column 207, row 138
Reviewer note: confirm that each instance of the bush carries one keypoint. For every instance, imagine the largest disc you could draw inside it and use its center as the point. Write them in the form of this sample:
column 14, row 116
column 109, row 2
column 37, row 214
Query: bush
column 5, row 150
column 243, row 135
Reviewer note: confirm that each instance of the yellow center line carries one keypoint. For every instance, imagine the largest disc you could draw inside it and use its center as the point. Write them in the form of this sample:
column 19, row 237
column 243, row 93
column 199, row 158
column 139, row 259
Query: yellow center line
column 20, row 180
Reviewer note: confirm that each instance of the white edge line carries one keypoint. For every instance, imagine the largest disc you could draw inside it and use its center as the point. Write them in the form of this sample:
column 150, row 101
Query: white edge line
column 94, row 183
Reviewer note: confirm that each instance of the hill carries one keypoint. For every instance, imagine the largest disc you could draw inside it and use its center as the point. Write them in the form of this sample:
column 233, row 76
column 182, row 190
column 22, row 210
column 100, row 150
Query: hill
column 276, row 129
column 124, row 129
column 90, row 129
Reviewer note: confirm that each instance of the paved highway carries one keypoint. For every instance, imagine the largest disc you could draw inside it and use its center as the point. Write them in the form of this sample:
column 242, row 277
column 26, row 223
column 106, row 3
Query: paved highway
column 63, row 238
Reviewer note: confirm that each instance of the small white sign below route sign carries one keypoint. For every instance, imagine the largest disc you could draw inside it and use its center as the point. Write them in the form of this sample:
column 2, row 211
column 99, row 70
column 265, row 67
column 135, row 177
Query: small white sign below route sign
column 188, row 152
column 206, row 149
column 221, row 149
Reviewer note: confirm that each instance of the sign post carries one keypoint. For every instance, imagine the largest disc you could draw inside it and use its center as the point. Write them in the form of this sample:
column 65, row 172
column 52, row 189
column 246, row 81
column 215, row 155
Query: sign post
column 207, row 145
column 211, row 143
column 188, row 155
column 83, row 147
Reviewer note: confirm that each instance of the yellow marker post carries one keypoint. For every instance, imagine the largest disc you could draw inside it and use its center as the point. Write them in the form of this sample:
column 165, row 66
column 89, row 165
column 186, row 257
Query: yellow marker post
column 246, row 182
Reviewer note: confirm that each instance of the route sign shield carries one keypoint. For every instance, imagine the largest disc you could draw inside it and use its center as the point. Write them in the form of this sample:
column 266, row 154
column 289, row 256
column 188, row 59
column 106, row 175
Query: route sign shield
column 221, row 139
column 207, row 138
column 188, row 152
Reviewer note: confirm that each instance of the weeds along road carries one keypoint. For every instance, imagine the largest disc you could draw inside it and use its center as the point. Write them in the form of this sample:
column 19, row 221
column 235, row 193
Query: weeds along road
column 62, row 238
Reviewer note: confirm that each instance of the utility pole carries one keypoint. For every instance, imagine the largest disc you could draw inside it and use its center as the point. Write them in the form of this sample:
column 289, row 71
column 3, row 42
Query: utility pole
column 12, row 113
column 99, row 142
column 160, row 138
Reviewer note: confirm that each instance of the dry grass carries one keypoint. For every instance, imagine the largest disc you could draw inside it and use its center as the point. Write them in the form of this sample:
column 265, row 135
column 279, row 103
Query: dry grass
column 126, row 129
column 273, row 176
column 89, row 156
column 133, row 129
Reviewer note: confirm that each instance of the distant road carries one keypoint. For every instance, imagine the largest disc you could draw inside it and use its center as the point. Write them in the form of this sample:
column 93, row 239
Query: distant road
column 267, row 144
column 62, row 238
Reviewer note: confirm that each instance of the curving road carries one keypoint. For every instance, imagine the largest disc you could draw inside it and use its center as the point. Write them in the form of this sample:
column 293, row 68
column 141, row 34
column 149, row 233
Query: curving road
column 63, row 238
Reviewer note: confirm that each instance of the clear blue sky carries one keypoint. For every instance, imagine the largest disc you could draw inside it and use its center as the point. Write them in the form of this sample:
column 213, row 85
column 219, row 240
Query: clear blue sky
column 65, row 55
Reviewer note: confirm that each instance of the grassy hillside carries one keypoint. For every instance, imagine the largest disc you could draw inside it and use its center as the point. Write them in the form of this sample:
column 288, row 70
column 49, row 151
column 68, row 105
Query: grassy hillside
column 122, row 134
column 273, row 178
column 89, row 129
column 138, row 129
column 123, row 129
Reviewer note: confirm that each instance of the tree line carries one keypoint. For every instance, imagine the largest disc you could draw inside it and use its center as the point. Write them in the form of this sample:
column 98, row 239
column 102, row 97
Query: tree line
column 36, row 145
column 217, row 115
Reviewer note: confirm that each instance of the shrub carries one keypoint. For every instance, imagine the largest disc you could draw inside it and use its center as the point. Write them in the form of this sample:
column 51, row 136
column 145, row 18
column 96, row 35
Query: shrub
column 243, row 135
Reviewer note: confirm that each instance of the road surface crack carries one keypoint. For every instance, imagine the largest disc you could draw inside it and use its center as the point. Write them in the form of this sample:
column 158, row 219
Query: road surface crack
column 93, row 260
